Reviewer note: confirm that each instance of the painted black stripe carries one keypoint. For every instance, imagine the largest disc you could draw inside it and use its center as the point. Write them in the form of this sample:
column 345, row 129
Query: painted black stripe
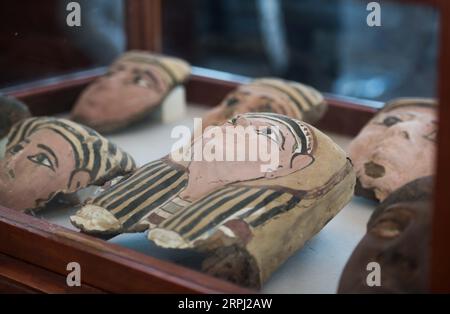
column 268, row 199
column 13, row 135
column 108, row 195
column 25, row 129
column 305, row 97
column 148, row 193
column 108, row 164
column 166, row 196
column 112, row 149
column 297, row 130
column 86, row 156
column 206, row 211
column 74, row 148
column 275, row 211
column 131, row 192
column 220, row 218
column 168, row 71
column 287, row 93
column 209, row 198
column 97, row 159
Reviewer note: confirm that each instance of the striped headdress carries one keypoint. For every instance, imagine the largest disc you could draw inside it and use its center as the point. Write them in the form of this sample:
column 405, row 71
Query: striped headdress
column 307, row 102
column 145, row 191
column 93, row 153
column 176, row 70
column 304, row 143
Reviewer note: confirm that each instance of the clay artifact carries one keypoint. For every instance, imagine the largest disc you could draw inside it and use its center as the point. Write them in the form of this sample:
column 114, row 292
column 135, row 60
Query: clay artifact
column 397, row 146
column 48, row 156
column 135, row 85
column 398, row 240
column 295, row 100
column 247, row 221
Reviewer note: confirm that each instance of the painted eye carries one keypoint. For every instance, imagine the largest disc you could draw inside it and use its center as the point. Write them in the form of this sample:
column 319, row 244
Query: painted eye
column 232, row 101
column 140, row 81
column 267, row 132
column 391, row 120
column 42, row 159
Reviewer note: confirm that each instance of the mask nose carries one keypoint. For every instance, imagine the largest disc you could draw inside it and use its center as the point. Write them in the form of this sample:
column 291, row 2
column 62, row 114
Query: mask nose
column 400, row 130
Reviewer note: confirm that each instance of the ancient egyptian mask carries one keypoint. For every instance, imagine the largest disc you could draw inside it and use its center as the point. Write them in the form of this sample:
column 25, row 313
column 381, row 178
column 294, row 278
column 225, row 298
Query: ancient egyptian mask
column 11, row 112
column 395, row 147
column 289, row 98
column 135, row 85
column 239, row 215
column 398, row 239
column 47, row 156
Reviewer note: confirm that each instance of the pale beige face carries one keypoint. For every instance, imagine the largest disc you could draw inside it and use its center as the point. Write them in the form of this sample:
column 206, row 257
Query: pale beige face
column 127, row 90
column 396, row 147
column 35, row 168
column 205, row 176
column 250, row 98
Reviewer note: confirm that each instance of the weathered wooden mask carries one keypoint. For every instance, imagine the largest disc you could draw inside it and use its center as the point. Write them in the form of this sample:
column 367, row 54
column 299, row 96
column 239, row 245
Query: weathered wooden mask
column 395, row 147
column 245, row 218
column 398, row 239
column 289, row 98
column 47, row 156
column 135, row 85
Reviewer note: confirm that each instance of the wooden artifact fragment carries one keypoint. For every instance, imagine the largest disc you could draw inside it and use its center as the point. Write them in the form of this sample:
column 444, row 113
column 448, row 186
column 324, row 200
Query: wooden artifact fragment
column 48, row 156
column 247, row 220
column 275, row 95
column 136, row 84
column 398, row 239
column 397, row 146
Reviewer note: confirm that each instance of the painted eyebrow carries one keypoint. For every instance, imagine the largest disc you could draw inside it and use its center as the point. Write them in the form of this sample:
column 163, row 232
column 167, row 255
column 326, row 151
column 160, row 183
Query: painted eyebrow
column 151, row 76
column 50, row 151
column 267, row 98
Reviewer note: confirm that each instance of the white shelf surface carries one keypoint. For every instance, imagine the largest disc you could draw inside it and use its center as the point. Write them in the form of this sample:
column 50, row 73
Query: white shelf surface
column 314, row 269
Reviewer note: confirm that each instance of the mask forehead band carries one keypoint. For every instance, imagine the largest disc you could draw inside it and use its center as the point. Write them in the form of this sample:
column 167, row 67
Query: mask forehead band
column 300, row 131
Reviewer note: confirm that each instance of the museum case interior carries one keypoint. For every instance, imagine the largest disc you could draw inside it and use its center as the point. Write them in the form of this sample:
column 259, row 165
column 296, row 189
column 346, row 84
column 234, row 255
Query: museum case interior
column 92, row 153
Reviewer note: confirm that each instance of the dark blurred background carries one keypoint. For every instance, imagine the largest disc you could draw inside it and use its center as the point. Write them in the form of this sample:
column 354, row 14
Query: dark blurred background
column 323, row 43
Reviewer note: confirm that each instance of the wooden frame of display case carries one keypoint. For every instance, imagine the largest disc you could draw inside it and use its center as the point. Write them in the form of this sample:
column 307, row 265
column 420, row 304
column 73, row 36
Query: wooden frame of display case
column 34, row 253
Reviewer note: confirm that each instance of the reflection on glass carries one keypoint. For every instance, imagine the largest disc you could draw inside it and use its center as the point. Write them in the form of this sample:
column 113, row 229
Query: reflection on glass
column 36, row 42
column 327, row 44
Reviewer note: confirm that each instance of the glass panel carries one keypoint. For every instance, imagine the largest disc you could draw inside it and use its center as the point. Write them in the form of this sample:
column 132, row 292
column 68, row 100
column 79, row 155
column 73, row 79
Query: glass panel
column 36, row 42
column 327, row 44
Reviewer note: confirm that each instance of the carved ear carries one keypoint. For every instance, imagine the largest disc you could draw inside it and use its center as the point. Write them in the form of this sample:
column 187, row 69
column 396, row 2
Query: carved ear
column 79, row 179
column 298, row 162
column 301, row 161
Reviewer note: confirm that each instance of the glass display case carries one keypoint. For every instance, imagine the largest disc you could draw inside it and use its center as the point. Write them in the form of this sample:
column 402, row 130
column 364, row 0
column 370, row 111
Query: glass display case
column 47, row 65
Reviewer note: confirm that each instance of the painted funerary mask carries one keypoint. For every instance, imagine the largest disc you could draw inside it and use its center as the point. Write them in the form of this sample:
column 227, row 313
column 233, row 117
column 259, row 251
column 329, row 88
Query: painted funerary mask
column 398, row 238
column 135, row 85
column 395, row 147
column 246, row 220
column 289, row 98
column 47, row 156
